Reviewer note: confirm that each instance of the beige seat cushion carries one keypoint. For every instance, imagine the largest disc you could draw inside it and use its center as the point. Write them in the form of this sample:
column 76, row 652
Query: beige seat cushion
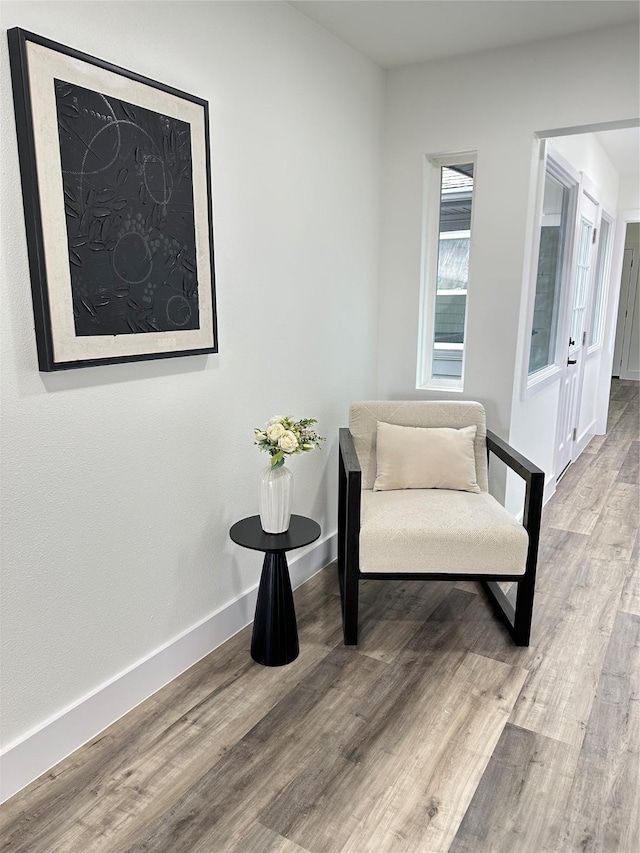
column 432, row 531
column 410, row 457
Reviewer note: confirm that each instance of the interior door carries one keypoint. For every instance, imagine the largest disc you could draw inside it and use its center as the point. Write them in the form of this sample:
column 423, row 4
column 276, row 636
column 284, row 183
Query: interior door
column 576, row 330
column 626, row 354
column 631, row 354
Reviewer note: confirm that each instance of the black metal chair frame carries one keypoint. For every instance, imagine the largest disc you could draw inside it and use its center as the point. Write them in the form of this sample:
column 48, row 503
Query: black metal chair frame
column 517, row 619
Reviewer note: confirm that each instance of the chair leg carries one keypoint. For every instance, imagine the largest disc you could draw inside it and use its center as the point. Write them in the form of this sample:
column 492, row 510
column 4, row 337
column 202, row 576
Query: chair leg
column 524, row 611
column 517, row 620
column 526, row 587
column 351, row 575
column 342, row 523
column 350, row 609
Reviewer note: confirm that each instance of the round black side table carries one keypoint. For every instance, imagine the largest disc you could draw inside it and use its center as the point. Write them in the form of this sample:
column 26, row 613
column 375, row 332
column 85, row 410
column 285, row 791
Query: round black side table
column 275, row 633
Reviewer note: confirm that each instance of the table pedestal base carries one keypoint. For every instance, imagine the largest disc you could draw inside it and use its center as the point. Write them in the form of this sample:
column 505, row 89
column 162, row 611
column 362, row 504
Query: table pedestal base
column 275, row 633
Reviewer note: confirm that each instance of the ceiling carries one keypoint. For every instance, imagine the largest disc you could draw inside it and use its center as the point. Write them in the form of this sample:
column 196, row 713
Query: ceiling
column 622, row 148
column 398, row 32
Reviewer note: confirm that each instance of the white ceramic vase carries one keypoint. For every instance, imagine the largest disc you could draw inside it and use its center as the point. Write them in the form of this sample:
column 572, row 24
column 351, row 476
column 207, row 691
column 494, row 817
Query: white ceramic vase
column 275, row 498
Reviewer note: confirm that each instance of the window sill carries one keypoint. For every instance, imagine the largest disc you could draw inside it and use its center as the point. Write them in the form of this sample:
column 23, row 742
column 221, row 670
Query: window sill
column 453, row 385
column 536, row 382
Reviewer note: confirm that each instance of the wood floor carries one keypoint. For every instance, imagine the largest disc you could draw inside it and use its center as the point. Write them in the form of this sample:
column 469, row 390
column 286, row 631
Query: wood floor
column 436, row 734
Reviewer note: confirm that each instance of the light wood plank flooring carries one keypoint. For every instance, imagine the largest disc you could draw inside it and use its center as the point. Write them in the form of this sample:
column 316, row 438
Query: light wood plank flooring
column 436, row 734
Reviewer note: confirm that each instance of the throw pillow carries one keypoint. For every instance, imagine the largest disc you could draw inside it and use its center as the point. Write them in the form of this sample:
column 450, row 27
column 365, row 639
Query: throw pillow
column 425, row 458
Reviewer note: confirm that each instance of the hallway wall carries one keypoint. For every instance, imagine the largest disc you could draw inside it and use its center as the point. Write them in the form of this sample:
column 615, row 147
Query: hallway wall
column 493, row 103
column 120, row 482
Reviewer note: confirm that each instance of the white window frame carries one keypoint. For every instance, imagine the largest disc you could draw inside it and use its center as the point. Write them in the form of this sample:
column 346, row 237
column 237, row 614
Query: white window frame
column 553, row 162
column 432, row 191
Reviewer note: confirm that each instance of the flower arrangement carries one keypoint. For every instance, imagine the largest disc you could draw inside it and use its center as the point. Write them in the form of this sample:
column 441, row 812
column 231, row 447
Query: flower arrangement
column 282, row 437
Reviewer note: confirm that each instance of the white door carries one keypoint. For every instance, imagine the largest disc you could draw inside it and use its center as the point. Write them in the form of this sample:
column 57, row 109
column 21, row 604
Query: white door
column 575, row 326
column 626, row 355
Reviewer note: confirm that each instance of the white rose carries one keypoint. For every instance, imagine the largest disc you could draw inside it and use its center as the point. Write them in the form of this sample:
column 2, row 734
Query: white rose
column 274, row 432
column 276, row 419
column 259, row 435
column 287, row 441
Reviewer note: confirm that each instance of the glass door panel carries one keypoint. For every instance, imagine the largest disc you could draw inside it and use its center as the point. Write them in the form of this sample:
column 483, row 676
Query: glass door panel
column 583, row 266
column 596, row 320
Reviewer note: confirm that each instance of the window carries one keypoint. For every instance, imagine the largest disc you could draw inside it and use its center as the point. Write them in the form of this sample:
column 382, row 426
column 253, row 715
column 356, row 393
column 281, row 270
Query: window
column 446, row 271
column 551, row 263
column 596, row 313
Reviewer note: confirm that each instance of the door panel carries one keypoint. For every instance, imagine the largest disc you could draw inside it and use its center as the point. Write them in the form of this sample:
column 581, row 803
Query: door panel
column 565, row 429
column 626, row 357
column 623, row 308
column 631, row 354
column 581, row 277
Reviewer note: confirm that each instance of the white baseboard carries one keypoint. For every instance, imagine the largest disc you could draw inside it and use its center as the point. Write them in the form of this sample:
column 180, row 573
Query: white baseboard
column 549, row 490
column 56, row 738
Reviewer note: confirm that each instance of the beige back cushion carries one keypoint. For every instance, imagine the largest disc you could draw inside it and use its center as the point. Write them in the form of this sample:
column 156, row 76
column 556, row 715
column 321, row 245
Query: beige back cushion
column 364, row 417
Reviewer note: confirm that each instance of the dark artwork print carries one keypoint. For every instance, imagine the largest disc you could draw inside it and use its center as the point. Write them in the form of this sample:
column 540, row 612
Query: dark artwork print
column 128, row 192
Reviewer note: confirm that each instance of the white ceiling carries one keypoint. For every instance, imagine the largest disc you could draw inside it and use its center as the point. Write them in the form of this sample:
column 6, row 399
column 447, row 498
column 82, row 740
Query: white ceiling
column 622, row 148
column 399, row 32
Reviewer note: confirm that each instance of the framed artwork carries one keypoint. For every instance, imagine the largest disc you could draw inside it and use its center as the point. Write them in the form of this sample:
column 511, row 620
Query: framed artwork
column 116, row 187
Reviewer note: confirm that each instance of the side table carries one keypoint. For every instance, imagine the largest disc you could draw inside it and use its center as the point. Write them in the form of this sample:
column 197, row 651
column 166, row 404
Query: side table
column 275, row 633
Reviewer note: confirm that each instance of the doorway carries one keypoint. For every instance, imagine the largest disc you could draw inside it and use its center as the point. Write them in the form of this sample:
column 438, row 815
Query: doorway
column 626, row 353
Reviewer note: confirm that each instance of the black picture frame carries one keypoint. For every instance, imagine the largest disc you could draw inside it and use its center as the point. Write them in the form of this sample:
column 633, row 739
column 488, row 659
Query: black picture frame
column 116, row 186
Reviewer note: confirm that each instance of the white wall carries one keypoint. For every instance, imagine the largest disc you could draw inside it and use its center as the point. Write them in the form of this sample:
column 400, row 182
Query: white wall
column 585, row 154
column 120, row 483
column 629, row 192
column 493, row 103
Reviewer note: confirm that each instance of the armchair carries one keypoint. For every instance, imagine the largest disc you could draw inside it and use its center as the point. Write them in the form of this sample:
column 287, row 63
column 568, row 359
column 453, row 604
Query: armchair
column 434, row 533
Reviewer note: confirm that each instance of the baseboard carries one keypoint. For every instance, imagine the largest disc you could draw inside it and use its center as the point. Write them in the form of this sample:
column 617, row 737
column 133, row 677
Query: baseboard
column 549, row 490
column 41, row 749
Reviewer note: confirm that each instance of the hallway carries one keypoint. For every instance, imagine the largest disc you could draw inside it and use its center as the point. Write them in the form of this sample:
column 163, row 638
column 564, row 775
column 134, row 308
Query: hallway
column 435, row 734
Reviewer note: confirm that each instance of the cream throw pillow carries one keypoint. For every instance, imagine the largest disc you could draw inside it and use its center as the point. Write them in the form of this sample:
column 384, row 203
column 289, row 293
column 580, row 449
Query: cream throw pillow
column 426, row 458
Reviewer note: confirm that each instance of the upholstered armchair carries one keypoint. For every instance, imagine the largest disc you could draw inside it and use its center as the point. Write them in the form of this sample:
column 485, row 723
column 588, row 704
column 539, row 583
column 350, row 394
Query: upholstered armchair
column 414, row 504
